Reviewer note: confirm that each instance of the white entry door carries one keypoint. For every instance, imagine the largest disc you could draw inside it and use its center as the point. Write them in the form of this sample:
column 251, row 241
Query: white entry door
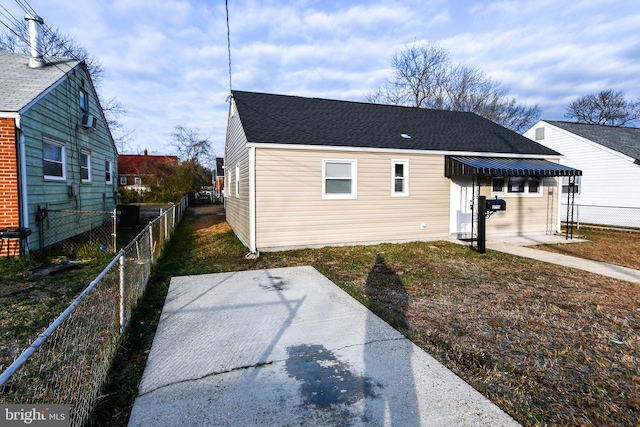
column 461, row 213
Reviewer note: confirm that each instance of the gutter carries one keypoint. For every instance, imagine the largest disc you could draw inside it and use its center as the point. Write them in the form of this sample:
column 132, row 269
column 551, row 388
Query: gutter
column 23, row 200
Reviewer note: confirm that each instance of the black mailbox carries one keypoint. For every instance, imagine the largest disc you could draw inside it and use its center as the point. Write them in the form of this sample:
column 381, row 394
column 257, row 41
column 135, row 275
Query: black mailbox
column 496, row 205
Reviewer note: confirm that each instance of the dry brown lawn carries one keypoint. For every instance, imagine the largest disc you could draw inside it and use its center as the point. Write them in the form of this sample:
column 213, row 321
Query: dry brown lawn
column 615, row 247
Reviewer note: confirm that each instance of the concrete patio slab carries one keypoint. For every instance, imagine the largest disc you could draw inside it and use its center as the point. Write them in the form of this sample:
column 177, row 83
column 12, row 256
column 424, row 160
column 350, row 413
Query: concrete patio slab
column 287, row 347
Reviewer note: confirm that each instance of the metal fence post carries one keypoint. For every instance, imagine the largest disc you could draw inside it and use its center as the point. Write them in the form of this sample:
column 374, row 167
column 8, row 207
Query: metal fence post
column 122, row 294
column 115, row 230
column 151, row 244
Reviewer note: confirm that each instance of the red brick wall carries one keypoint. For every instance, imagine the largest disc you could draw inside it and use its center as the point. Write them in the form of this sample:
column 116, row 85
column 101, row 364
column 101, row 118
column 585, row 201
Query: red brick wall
column 9, row 190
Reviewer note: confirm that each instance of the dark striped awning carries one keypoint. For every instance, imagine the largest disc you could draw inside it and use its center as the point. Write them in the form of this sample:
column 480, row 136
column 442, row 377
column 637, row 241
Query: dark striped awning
column 455, row 165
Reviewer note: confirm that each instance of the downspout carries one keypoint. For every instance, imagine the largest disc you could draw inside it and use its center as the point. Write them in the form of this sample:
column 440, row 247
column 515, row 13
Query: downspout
column 252, row 201
column 22, row 165
column 559, row 204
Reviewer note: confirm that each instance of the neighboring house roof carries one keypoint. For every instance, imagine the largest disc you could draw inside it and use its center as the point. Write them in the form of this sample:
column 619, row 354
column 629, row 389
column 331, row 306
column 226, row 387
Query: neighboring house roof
column 294, row 120
column 21, row 84
column 622, row 139
column 136, row 164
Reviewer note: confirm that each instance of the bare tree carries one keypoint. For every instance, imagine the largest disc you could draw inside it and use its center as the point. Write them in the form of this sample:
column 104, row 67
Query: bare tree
column 57, row 44
column 425, row 77
column 607, row 107
column 196, row 156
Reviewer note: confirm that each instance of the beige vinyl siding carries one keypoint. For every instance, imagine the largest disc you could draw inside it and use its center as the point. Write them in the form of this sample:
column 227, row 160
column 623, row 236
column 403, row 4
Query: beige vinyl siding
column 237, row 153
column 527, row 213
column 292, row 213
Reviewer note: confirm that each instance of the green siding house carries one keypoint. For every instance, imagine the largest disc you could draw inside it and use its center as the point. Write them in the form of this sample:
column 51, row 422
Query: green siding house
column 56, row 150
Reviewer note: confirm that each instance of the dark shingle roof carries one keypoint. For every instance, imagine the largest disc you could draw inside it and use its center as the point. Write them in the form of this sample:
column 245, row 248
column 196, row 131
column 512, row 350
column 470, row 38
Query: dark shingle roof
column 622, row 139
column 20, row 84
column 285, row 119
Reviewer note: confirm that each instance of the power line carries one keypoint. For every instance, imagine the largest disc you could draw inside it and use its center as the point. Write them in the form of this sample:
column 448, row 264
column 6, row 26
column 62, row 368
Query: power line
column 226, row 5
column 24, row 4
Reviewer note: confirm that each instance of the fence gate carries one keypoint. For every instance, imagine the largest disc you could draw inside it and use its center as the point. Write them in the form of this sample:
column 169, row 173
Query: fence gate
column 69, row 231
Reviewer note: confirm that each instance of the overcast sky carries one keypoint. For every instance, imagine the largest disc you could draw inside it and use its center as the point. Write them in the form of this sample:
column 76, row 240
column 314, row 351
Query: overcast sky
column 167, row 61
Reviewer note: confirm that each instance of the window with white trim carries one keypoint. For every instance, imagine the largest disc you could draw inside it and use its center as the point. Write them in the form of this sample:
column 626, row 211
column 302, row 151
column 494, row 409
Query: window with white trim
column 400, row 177
column 565, row 184
column 85, row 166
column 339, row 179
column 516, row 186
column 108, row 171
column 54, row 163
column 123, row 180
column 237, row 177
column 137, row 181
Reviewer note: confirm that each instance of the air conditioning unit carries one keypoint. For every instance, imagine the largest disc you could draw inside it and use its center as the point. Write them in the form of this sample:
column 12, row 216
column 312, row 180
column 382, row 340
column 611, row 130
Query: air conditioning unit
column 88, row 121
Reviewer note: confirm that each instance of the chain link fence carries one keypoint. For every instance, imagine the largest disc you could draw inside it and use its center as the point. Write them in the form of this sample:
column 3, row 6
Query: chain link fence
column 70, row 232
column 605, row 216
column 69, row 362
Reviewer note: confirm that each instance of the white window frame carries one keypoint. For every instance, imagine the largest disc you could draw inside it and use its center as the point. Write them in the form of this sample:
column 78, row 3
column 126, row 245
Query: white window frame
column 108, row 171
column 123, row 180
column 237, row 180
column 526, row 193
column 137, row 180
column 63, row 162
column 84, row 153
column 83, row 100
column 405, row 178
column 354, row 179
column 564, row 184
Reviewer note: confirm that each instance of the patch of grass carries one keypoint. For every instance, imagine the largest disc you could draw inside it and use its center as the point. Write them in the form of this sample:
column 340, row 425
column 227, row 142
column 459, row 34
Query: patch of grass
column 615, row 247
column 29, row 304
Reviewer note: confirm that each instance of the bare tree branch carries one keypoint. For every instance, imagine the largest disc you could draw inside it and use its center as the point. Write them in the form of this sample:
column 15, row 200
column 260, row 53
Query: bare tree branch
column 425, row 77
column 607, row 107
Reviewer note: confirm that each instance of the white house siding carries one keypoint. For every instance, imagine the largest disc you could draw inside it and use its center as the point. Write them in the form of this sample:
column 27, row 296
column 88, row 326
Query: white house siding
column 609, row 178
column 292, row 213
column 56, row 116
column 236, row 153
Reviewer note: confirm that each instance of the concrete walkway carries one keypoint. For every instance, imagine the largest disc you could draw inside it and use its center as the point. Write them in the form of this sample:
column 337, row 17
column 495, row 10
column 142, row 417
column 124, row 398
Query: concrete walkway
column 515, row 246
column 287, row 347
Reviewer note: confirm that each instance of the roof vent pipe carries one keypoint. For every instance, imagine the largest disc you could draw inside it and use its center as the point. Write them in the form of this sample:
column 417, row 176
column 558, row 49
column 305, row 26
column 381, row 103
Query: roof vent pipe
column 35, row 61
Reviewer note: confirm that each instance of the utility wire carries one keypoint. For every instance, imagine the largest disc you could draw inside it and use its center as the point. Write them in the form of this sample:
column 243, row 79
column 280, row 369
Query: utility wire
column 24, row 4
column 226, row 5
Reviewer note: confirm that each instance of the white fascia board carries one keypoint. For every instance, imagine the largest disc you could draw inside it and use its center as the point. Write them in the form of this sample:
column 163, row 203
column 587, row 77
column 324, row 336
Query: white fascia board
column 397, row 150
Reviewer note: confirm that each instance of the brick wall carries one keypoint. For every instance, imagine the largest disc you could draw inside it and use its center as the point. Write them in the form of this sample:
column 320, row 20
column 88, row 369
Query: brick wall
column 9, row 190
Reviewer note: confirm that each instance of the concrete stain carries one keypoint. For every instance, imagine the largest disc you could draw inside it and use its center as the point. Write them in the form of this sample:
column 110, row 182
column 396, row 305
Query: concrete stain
column 276, row 284
column 326, row 381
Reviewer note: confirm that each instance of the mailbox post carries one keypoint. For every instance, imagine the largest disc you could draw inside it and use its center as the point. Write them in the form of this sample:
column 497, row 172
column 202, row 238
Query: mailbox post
column 482, row 224
column 485, row 209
